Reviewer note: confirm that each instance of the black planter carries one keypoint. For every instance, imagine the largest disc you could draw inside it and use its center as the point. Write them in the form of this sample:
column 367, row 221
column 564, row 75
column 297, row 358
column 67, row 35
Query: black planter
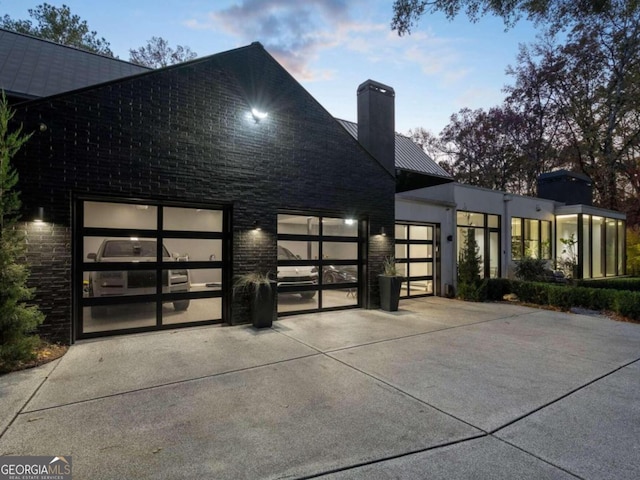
column 390, row 292
column 263, row 298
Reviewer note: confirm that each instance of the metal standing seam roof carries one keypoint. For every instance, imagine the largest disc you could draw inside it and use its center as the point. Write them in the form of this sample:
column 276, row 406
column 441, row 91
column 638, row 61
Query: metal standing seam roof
column 31, row 67
column 409, row 156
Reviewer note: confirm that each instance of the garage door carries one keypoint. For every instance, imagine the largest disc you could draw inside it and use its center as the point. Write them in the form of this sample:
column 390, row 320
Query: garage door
column 415, row 248
column 145, row 266
column 319, row 263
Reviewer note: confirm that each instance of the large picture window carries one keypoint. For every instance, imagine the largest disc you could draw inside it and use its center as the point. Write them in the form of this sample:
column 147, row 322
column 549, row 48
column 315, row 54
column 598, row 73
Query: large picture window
column 530, row 238
column 319, row 263
column 485, row 229
column 144, row 266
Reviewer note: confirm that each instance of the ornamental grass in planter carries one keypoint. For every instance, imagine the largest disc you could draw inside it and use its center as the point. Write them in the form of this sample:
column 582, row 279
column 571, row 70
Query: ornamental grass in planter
column 390, row 284
column 261, row 292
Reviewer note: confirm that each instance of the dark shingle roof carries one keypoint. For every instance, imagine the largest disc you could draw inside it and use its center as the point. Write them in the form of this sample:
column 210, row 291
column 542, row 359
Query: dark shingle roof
column 31, row 67
column 409, row 156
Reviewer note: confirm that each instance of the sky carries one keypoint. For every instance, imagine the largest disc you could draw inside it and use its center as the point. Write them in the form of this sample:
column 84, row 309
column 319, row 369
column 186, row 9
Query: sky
column 329, row 46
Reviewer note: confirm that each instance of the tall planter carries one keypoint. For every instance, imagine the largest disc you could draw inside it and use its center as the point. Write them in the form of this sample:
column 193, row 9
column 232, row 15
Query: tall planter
column 263, row 300
column 390, row 292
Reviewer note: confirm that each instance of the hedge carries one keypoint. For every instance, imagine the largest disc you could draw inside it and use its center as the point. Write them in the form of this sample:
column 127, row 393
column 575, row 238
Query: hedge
column 622, row 302
column 632, row 284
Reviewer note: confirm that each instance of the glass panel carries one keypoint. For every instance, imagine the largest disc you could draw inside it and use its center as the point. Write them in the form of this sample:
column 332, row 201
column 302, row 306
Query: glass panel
column 586, row 247
column 116, row 317
column 420, row 287
column 621, row 247
column 493, row 221
column 120, row 215
column 343, row 227
column 567, row 243
column 194, row 249
column 340, row 250
column 298, row 224
column 420, row 251
column 125, row 249
column 339, row 274
column 494, row 254
column 470, row 219
column 478, row 234
column 611, row 242
column 401, row 269
column 545, row 240
column 596, row 247
column 419, row 232
column 516, row 238
column 340, row 298
column 404, row 290
column 292, row 302
column 402, row 250
column 421, row 269
column 192, row 219
column 191, row 310
column 531, row 238
column 297, row 276
column 401, row 231
column 205, row 279
column 294, row 250
column 119, row 283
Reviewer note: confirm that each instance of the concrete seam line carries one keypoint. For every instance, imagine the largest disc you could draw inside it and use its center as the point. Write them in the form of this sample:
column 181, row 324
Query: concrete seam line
column 562, row 397
column 391, row 457
column 20, row 411
column 537, row 457
column 397, row 389
column 168, row 384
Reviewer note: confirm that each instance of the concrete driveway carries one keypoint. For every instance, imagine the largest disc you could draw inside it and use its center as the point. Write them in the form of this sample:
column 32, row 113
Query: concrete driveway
column 440, row 390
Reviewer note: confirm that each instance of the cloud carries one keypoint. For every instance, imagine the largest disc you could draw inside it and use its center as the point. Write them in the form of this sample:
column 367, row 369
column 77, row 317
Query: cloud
column 296, row 32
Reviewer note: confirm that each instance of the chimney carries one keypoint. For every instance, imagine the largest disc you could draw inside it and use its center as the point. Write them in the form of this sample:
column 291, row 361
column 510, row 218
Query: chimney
column 376, row 122
column 570, row 188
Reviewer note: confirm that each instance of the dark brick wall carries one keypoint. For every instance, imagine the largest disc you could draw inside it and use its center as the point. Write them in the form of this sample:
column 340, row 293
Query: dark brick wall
column 185, row 134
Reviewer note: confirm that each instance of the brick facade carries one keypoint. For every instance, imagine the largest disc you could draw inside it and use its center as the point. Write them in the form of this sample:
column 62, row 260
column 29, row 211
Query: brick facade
column 185, row 134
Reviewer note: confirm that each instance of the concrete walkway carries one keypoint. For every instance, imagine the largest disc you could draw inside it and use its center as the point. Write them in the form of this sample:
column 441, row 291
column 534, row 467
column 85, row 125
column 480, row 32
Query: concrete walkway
column 441, row 390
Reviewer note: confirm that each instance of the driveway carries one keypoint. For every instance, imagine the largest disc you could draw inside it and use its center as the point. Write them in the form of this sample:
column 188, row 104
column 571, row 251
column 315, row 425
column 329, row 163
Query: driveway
column 441, row 389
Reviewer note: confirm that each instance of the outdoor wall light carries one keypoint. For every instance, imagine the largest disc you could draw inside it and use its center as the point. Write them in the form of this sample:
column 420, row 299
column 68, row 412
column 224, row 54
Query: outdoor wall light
column 39, row 215
column 383, row 232
column 449, row 238
column 43, row 127
column 256, row 225
column 257, row 115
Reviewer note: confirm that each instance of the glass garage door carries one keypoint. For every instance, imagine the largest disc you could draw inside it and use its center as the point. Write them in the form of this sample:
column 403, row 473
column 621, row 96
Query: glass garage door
column 147, row 266
column 319, row 263
column 414, row 259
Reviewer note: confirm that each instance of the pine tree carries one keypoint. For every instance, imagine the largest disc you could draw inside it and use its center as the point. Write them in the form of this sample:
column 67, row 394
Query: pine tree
column 469, row 263
column 18, row 321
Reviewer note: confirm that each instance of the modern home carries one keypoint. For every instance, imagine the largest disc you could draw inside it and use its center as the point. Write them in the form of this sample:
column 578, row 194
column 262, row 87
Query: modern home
column 147, row 192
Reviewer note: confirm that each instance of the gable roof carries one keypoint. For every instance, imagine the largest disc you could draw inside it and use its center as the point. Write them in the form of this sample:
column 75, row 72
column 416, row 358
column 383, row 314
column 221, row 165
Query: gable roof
column 409, row 156
column 32, row 68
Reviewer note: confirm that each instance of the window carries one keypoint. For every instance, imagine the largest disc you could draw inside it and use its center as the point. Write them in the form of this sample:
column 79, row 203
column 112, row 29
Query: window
column 530, row 238
column 485, row 229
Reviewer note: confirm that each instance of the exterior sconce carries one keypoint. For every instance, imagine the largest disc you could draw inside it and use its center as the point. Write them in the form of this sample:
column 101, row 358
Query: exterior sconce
column 383, row 232
column 449, row 238
column 39, row 215
column 257, row 115
column 256, row 226
column 42, row 127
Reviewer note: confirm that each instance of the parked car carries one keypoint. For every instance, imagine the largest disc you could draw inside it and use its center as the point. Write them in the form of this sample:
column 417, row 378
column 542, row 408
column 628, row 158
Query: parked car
column 134, row 282
column 339, row 274
column 296, row 276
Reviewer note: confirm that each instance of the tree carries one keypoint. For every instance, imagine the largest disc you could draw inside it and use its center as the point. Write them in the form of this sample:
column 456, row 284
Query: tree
column 17, row 320
column 59, row 25
column 555, row 13
column 157, row 53
column 469, row 263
